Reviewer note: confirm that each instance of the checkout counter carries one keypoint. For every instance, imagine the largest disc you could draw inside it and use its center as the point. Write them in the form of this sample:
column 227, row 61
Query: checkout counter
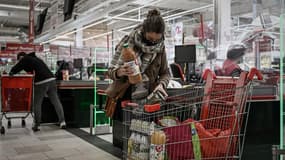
column 263, row 128
column 75, row 92
column 76, row 97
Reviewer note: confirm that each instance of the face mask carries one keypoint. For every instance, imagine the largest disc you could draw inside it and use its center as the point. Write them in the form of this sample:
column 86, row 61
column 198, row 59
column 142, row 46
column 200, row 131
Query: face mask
column 149, row 43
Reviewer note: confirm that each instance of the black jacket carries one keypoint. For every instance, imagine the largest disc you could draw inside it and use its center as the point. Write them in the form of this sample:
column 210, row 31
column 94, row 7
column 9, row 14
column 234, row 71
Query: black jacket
column 31, row 63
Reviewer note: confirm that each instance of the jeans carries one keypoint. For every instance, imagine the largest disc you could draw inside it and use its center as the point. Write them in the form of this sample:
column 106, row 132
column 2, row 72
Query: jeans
column 49, row 89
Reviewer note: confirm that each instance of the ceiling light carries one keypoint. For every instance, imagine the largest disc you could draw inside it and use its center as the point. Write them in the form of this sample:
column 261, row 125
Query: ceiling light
column 112, row 22
column 97, row 36
column 104, row 20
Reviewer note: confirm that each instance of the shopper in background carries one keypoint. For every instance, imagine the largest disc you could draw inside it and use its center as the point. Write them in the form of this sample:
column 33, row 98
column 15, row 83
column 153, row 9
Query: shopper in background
column 61, row 65
column 234, row 57
column 45, row 84
column 90, row 71
column 147, row 40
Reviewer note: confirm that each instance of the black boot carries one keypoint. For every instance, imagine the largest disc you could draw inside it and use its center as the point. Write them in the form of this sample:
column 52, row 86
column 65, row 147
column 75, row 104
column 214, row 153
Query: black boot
column 35, row 127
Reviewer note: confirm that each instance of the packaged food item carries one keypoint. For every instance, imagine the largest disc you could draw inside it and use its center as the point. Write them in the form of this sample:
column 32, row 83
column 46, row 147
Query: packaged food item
column 157, row 146
column 144, row 148
column 168, row 121
column 133, row 123
column 151, row 128
column 138, row 125
column 130, row 59
column 136, row 146
column 131, row 141
column 145, row 127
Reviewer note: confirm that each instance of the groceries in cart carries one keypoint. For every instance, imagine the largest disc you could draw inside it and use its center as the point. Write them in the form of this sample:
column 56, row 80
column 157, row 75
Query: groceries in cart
column 205, row 122
column 138, row 146
column 142, row 148
column 157, row 146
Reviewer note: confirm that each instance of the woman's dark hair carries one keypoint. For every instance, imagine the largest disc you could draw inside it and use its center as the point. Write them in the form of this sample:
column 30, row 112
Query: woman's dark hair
column 236, row 51
column 154, row 22
column 21, row 54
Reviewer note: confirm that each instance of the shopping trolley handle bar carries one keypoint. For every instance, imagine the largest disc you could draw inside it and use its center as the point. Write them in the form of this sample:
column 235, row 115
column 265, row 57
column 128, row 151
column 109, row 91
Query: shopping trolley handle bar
column 17, row 75
column 208, row 71
column 126, row 103
column 253, row 72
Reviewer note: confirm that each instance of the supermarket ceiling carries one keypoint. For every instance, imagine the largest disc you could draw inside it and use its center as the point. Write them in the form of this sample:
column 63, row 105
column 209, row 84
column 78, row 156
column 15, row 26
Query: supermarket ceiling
column 106, row 14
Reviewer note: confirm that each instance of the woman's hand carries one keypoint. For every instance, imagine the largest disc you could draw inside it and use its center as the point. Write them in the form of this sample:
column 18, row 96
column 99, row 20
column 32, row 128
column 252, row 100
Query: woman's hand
column 124, row 70
column 161, row 90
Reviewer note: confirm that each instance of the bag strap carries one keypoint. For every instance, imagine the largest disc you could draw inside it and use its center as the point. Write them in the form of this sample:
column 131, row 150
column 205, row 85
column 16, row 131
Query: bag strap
column 195, row 142
column 121, row 94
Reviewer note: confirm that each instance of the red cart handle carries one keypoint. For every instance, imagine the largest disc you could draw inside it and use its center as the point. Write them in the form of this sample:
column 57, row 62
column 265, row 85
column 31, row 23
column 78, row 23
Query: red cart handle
column 126, row 103
column 208, row 71
column 253, row 72
column 101, row 91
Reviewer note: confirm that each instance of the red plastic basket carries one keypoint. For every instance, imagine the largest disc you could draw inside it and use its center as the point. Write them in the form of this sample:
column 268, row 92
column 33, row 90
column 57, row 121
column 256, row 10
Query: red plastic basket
column 17, row 92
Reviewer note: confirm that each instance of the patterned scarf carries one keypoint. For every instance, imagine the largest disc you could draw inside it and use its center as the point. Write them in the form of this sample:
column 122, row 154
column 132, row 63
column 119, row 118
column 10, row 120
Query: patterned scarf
column 146, row 53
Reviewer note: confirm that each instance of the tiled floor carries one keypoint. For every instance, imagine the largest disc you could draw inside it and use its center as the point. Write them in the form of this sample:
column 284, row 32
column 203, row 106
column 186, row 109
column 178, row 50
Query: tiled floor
column 50, row 143
column 106, row 137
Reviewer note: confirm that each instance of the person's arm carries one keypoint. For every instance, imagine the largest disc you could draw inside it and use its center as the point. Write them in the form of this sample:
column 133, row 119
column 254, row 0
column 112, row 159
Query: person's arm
column 116, row 61
column 114, row 65
column 18, row 67
column 164, row 74
column 236, row 72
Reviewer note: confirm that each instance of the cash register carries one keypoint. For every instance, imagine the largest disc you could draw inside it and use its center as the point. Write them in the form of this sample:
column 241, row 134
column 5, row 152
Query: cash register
column 185, row 56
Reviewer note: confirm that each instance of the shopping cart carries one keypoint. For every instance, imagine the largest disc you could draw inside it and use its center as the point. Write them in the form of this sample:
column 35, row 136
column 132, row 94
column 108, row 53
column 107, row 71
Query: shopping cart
column 204, row 122
column 16, row 97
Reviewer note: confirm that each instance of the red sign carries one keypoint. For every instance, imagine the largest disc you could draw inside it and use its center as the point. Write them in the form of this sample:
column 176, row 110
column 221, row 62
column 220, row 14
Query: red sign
column 15, row 47
column 6, row 54
column 31, row 22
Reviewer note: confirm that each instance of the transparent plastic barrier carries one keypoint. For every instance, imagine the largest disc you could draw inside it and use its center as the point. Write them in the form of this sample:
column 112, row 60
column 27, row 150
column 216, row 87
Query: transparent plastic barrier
column 282, row 45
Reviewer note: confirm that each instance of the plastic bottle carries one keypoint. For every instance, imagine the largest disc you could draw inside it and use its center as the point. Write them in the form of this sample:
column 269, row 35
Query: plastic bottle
column 65, row 75
column 129, row 58
column 157, row 146
column 144, row 149
column 145, row 127
column 130, row 146
column 133, row 124
column 151, row 128
column 136, row 146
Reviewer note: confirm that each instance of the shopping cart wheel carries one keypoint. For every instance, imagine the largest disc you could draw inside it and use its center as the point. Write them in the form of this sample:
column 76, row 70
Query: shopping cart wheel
column 9, row 124
column 23, row 123
column 2, row 130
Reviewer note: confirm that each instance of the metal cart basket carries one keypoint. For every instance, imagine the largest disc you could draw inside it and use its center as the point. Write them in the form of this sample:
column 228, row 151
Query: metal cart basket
column 203, row 122
column 16, row 97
